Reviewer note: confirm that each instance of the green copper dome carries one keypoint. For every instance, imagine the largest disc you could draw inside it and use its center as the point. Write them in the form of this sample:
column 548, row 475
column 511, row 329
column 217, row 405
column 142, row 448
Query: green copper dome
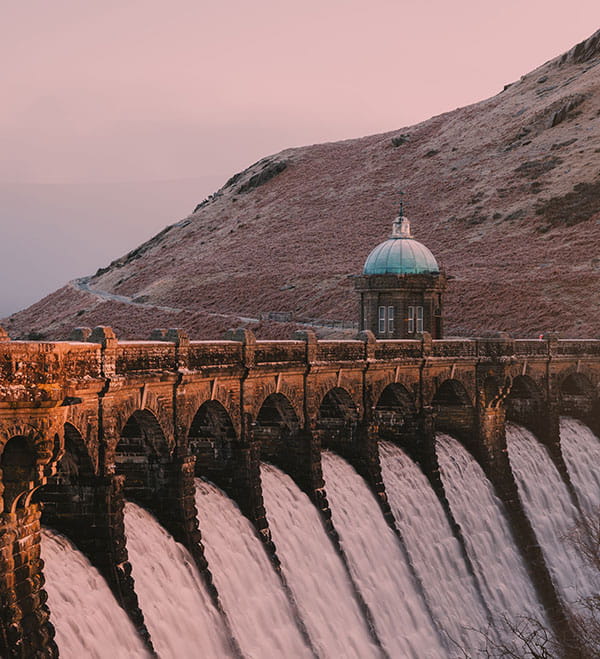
column 401, row 255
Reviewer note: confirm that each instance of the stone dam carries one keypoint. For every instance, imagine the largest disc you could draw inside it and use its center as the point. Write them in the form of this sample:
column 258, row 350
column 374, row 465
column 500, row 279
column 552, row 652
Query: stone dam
column 95, row 431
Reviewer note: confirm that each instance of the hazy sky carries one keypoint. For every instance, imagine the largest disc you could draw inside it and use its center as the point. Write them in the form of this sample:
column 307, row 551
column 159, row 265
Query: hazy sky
column 142, row 90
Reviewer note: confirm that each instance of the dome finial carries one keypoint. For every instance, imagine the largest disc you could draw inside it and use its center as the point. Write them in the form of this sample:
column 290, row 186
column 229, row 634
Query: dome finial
column 401, row 226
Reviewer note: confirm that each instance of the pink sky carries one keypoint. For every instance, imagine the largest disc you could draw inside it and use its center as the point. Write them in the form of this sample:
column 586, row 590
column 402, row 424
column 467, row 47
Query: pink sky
column 143, row 89
column 146, row 90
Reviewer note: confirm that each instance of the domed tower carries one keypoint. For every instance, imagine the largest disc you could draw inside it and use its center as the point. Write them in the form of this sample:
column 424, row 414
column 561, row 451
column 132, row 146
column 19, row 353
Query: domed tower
column 401, row 287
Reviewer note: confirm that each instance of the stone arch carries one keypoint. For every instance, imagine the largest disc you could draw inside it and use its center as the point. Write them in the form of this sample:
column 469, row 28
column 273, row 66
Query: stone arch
column 577, row 384
column 76, row 462
column 453, row 410
column 142, row 456
column 18, row 471
column 578, row 395
column 42, row 444
column 276, row 424
column 452, row 392
column 396, row 397
column 337, row 419
column 212, row 439
column 69, row 493
column 525, row 402
column 220, row 394
column 284, row 442
column 394, row 413
column 269, row 388
column 159, row 422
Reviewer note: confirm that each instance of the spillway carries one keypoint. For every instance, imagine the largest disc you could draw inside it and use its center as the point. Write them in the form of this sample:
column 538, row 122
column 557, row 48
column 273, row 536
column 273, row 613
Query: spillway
column 500, row 571
column 551, row 512
column 379, row 565
column 177, row 608
column 431, row 616
column 435, row 552
column 581, row 452
column 87, row 618
column 250, row 591
column 314, row 571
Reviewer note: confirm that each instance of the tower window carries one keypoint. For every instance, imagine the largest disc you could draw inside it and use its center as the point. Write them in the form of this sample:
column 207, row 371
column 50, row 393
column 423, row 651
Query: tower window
column 390, row 320
column 419, row 320
column 411, row 320
column 381, row 320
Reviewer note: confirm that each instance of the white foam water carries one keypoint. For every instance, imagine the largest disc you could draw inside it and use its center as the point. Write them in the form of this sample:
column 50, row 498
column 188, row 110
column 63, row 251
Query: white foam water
column 250, row 591
column 378, row 565
column 581, row 452
column 500, row 570
column 314, row 571
column 87, row 618
column 435, row 552
column 551, row 512
column 177, row 608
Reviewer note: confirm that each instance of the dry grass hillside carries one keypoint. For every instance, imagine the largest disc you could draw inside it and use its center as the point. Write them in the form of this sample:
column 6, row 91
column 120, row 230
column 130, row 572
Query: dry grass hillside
column 506, row 193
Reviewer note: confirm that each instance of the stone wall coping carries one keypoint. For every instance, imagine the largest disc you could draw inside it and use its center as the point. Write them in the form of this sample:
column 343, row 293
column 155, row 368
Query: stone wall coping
column 21, row 342
column 280, row 341
column 407, row 341
column 219, row 342
column 163, row 344
column 332, row 341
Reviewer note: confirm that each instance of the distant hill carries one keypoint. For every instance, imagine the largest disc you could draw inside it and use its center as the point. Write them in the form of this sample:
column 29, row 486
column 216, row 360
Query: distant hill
column 505, row 192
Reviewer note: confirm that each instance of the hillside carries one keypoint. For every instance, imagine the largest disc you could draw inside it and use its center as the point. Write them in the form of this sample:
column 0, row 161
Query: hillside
column 505, row 192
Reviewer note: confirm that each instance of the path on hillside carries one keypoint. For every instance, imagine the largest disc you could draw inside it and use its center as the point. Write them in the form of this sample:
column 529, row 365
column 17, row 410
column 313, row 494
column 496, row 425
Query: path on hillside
column 83, row 284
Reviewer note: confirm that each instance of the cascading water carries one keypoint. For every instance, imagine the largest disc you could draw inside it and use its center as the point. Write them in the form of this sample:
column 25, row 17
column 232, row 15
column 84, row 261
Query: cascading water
column 314, row 571
column 87, row 618
column 551, row 512
column 378, row 565
column 250, row 591
column 177, row 608
column 502, row 576
column 581, row 452
column 434, row 551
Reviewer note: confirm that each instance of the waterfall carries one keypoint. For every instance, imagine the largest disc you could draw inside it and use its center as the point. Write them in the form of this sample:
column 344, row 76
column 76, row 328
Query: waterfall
column 435, row 552
column 178, row 611
column 551, row 512
column 183, row 622
column 500, row 570
column 581, row 452
column 85, row 614
column 249, row 589
column 314, row 571
column 379, row 565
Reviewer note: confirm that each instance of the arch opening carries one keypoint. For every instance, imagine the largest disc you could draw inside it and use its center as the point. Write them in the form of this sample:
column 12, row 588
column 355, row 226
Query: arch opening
column 69, row 494
column 17, row 463
column 577, row 396
column 337, row 420
column 524, row 403
column 142, row 457
column 453, row 410
column 394, row 415
column 70, row 497
column 277, row 429
column 212, row 440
